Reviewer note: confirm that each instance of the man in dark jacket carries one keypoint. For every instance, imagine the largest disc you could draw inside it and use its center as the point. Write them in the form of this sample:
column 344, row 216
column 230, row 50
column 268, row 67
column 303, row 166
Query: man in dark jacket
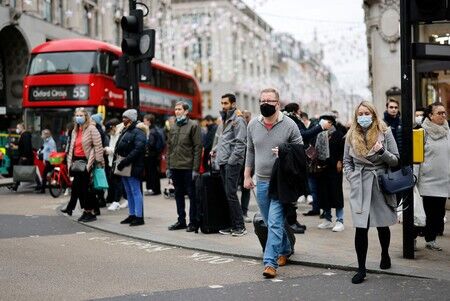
column 152, row 154
column 393, row 120
column 130, row 150
column 184, row 149
column 24, row 148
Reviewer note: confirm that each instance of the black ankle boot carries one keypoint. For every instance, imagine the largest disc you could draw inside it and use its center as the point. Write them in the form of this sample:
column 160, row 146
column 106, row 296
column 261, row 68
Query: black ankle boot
column 385, row 262
column 128, row 220
column 359, row 277
column 137, row 221
column 67, row 211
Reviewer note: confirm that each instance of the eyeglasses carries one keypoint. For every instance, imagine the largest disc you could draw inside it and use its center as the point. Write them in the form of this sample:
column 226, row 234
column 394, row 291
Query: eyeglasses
column 393, row 107
column 262, row 101
column 443, row 113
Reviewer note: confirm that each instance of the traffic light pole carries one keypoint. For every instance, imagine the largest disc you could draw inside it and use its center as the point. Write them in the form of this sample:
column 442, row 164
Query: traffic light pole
column 133, row 92
column 407, row 107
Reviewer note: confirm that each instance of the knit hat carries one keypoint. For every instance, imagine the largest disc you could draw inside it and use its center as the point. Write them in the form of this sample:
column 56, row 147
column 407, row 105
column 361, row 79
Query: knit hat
column 130, row 114
column 97, row 118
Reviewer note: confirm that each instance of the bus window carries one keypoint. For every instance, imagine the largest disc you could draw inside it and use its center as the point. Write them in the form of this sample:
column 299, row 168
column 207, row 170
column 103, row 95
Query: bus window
column 104, row 63
column 63, row 62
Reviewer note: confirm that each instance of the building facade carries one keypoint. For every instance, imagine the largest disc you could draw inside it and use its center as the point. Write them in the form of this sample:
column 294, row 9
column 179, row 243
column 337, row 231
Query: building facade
column 431, row 78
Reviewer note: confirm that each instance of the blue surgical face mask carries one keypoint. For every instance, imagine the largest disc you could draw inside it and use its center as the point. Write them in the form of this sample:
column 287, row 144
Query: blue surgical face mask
column 365, row 121
column 80, row 120
column 181, row 118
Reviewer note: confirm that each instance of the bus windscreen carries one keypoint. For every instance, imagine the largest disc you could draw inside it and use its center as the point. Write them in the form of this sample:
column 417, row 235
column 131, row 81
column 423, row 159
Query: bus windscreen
column 63, row 63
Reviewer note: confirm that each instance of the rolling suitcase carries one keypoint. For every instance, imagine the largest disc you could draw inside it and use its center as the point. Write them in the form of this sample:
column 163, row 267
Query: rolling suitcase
column 212, row 204
column 261, row 231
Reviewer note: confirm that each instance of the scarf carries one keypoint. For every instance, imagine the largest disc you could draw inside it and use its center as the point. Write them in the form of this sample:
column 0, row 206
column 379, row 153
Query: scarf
column 323, row 144
column 434, row 130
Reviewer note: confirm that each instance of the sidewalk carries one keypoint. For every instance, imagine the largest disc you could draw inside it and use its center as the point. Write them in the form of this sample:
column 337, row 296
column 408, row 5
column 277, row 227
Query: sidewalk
column 316, row 247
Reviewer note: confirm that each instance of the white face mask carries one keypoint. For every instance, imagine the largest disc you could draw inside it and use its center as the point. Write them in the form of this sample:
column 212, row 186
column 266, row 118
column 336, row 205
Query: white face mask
column 18, row 131
column 419, row 119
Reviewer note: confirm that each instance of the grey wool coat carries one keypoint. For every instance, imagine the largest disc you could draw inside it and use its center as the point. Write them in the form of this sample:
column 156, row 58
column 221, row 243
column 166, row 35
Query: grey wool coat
column 366, row 198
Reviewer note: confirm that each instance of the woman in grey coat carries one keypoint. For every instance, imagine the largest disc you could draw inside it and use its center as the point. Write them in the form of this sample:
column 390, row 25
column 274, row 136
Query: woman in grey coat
column 433, row 178
column 370, row 149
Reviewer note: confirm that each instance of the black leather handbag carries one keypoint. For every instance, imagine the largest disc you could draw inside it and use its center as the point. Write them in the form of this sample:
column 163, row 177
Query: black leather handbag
column 393, row 182
column 78, row 166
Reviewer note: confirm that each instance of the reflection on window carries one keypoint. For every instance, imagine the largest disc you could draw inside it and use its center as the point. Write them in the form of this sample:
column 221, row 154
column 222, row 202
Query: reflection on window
column 47, row 10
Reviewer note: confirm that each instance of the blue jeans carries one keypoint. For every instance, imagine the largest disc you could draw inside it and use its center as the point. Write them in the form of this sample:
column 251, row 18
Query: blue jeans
column 339, row 214
column 312, row 183
column 272, row 212
column 132, row 187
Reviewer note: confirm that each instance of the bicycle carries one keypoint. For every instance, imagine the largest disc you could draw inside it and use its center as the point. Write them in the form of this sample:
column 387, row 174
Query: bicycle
column 59, row 178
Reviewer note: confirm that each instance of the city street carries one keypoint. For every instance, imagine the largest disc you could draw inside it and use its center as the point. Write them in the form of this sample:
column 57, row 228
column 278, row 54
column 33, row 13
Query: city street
column 47, row 256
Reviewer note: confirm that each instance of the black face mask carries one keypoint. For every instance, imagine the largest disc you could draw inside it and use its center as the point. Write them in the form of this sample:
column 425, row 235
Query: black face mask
column 267, row 110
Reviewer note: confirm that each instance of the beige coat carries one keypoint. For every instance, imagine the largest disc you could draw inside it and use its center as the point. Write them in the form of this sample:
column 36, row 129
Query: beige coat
column 92, row 146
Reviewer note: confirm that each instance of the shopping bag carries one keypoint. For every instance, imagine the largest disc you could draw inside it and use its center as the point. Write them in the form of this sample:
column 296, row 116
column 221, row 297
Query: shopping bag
column 100, row 181
column 24, row 173
column 419, row 212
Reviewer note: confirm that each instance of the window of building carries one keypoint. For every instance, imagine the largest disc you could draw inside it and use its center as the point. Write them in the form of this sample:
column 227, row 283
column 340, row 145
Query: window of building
column 47, row 10
column 210, row 72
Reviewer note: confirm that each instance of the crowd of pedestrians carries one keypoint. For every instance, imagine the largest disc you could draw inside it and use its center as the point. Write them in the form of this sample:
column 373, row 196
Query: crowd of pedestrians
column 281, row 154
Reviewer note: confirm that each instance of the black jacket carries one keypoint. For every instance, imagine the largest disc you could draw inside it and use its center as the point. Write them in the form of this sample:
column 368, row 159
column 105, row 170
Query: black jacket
column 131, row 145
column 25, row 148
column 395, row 123
column 288, row 179
column 308, row 134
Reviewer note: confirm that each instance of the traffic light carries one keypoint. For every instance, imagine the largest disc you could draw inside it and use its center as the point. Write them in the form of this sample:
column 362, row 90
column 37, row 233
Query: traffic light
column 429, row 10
column 132, row 27
column 138, row 43
column 121, row 75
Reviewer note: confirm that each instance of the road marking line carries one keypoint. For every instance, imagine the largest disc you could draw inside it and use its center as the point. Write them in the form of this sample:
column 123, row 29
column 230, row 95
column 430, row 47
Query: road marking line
column 277, row 280
column 34, row 236
column 215, row 286
column 80, row 233
column 329, row 274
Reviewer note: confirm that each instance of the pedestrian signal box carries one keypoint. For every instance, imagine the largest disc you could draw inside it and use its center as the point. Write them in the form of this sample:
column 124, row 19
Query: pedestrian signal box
column 418, row 146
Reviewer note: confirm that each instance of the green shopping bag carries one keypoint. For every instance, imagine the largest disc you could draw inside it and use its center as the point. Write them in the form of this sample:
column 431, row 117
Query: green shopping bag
column 100, row 181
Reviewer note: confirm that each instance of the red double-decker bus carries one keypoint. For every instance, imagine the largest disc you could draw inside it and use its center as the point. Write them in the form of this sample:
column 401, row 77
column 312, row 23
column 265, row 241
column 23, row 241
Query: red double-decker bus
column 70, row 73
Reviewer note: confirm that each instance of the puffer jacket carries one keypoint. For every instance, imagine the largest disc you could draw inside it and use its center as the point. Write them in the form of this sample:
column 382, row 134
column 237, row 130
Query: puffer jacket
column 131, row 146
column 92, row 146
column 232, row 142
column 185, row 146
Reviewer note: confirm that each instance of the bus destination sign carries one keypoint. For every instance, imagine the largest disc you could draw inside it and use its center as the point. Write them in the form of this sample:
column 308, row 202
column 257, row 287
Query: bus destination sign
column 46, row 93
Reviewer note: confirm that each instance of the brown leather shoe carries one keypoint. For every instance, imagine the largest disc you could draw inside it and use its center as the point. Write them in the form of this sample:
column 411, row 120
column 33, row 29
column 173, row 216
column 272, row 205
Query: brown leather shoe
column 282, row 260
column 269, row 272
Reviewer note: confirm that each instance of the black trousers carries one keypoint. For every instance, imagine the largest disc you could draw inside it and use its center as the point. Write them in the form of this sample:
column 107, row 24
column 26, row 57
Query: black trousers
column 230, row 179
column 434, row 211
column 48, row 168
column 152, row 174
column 81, row 191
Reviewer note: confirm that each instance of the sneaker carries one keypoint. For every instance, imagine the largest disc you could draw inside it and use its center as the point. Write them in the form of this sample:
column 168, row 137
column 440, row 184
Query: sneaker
column 89, row 218
column 239, row 232
column 322, row 215
column 432, row 245
column 81, row 218
column 124, row 205
column 311, row 213
column 309, row 199
column 177, row 226
column 325, row 225
column 339, row 227
column 114, row 206
column 247, row 219
column 148, row 192
column 415, row 245
column 227, row 231
column 128, row 220
column 301, row 199
column 66, row 192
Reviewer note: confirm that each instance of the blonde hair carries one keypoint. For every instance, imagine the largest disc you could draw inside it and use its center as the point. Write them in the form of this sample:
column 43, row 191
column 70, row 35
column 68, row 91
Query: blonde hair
column 363, row 140
column 87, row 118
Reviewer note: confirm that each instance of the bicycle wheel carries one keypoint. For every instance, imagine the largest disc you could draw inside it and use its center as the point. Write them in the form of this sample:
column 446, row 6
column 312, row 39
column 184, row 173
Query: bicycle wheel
column 55, row 186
